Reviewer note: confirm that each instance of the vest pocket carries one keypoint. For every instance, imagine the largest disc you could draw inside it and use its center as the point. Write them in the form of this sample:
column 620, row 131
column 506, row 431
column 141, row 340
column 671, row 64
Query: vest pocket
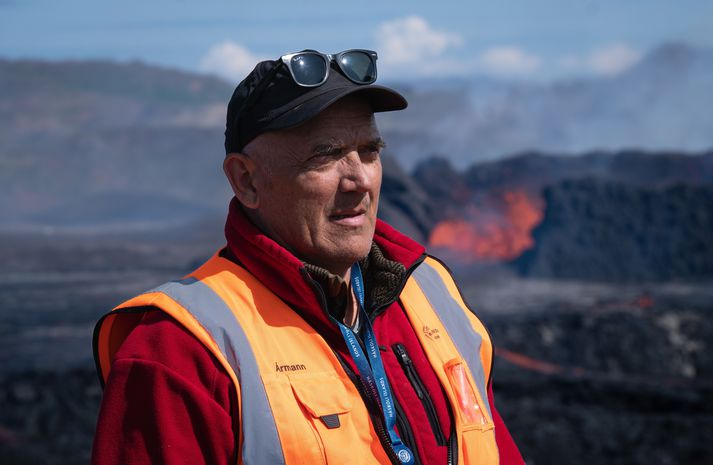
column 470, row 403
column 327, row 406
column 477, row 435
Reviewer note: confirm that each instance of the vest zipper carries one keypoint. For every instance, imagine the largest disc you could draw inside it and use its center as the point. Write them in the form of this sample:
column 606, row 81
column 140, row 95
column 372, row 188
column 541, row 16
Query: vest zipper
column 421, row 391
column 405, row 432
column 453, row 447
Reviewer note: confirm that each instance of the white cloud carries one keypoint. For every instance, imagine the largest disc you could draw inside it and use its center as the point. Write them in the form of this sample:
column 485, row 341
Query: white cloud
column 613, row 59
column 229, row 60
column 508, row 61
column 607, row 61
column 411, row 42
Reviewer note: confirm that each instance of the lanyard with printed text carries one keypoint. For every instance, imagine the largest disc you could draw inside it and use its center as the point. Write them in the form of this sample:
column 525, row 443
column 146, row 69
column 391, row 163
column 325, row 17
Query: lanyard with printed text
column 371, row 367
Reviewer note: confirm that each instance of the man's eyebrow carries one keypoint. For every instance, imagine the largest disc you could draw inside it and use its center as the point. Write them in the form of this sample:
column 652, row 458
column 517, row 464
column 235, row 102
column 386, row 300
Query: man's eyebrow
column 333, row 147
column 377, row 142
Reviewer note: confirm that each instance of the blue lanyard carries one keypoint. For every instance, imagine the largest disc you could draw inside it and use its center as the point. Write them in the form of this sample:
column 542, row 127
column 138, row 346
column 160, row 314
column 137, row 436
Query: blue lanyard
column 371, row 367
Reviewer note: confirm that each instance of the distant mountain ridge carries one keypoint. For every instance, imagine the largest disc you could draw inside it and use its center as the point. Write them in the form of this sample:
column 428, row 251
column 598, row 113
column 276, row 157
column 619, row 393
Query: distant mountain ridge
column 42, row 100
column 133, row 80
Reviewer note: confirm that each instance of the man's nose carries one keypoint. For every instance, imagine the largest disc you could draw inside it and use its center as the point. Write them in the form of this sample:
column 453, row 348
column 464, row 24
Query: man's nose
column 358, row 175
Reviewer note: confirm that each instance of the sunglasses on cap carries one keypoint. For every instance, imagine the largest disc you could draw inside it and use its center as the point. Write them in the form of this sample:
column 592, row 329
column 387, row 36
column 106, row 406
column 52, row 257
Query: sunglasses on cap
column 310, row 68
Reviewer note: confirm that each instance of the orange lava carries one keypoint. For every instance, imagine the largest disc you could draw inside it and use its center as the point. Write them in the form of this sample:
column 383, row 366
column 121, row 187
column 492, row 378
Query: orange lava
column 501, row 233
column 645, row 301
column 528, row 363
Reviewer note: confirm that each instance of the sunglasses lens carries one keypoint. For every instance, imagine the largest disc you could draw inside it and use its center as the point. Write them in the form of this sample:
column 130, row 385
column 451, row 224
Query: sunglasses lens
column 360, row 67
column 308, row 69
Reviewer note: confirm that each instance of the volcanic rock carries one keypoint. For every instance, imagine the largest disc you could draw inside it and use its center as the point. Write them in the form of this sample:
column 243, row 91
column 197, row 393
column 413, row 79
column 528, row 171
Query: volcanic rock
column 602, row 230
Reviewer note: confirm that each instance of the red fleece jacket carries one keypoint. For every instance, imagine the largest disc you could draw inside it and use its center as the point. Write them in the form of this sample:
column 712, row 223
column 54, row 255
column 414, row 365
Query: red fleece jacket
column 169, row 401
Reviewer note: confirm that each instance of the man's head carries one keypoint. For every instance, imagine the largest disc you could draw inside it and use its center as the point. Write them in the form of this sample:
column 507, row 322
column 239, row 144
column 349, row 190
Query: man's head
column 312, row 186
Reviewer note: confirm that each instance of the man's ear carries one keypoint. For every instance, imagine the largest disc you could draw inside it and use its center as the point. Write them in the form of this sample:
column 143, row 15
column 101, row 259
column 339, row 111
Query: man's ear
column 240, row 170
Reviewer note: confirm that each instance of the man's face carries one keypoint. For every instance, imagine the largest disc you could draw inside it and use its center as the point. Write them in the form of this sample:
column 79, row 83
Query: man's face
column 317, row 185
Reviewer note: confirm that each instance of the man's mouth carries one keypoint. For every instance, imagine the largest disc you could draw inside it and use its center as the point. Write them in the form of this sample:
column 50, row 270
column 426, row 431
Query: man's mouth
column 347, row 214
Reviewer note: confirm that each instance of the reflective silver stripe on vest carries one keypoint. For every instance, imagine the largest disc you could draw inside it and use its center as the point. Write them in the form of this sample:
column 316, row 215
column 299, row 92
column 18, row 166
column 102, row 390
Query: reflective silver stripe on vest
column 261, row 443
column 459, row 328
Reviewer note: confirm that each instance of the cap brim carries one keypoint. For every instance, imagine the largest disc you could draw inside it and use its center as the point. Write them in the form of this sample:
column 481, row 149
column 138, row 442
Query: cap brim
column 379, row 97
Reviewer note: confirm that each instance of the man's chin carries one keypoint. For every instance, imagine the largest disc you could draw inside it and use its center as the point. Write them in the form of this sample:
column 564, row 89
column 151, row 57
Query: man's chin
column 358, row 253
column 339, row 260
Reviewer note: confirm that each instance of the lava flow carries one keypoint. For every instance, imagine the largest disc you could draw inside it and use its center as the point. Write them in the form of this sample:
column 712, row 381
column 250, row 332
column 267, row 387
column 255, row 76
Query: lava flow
column 497, row 230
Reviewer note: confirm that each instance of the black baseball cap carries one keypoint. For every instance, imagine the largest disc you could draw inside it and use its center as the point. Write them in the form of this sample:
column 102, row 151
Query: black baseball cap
column 281, row 103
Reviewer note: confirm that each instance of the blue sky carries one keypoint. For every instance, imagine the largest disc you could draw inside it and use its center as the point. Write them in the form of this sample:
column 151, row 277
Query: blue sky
column 537, row 39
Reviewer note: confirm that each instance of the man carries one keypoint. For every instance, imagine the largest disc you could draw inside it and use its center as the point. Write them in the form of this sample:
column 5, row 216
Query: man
column 319, row 334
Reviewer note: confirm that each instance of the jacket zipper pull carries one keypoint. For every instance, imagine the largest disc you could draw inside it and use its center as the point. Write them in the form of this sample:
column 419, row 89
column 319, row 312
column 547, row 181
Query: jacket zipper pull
column 410, row 370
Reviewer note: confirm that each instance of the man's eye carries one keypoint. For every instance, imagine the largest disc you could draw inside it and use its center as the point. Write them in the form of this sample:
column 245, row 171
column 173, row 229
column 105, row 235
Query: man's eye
column 328, row 155
column 372, row 150
column 323, row 158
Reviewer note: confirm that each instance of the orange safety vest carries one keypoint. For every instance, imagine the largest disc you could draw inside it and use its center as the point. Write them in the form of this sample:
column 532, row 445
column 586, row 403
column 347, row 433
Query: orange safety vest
column 288, row 380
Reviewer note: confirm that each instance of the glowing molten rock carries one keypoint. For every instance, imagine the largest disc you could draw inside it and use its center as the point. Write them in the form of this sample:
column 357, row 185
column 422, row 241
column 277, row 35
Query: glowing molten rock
column 498, row 231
